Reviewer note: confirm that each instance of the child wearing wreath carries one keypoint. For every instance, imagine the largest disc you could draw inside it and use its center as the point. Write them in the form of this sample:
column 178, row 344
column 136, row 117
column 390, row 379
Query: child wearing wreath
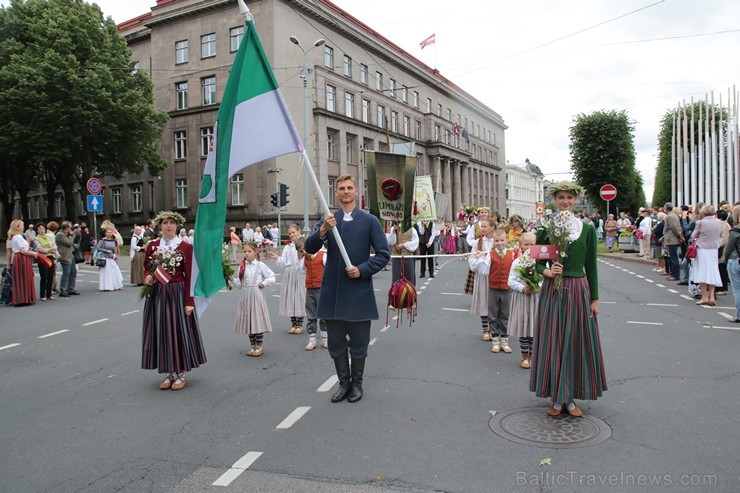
column 252, row 314
column 524, row 281
column 293, row 290
column 481, row 248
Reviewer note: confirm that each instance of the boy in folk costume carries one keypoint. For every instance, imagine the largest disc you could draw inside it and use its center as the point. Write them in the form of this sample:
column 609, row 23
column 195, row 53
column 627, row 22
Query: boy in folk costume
column 499, row 294
column 313, row 267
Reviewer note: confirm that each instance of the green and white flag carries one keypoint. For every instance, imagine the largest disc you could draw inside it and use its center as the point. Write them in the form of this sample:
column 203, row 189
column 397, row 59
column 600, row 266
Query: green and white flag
column 253, row 124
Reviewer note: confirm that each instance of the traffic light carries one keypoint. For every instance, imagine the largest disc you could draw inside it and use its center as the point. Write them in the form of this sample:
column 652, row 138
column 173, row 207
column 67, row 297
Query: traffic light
column 284, row 194
column 275, row 199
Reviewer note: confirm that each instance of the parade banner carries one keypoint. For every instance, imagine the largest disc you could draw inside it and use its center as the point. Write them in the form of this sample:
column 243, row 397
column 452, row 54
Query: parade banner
column 390, row 184
column 426, row 209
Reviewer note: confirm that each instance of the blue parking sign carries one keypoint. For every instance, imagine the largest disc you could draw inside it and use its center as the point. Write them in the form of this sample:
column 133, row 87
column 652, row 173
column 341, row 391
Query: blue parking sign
column 95, row 203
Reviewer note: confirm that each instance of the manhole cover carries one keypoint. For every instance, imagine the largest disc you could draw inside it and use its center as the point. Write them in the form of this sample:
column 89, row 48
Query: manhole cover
column 535, row 428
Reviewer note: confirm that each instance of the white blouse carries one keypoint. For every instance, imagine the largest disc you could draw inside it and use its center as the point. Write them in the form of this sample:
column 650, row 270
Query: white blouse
column 289, row 257
column 255, row 273
column 19, row 243
column 478, row 264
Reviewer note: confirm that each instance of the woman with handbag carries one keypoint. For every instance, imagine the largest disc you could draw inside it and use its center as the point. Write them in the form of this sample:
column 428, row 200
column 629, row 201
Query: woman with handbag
column 106, row 253
column 23, row 291
column 44, row 245
column 705, row 267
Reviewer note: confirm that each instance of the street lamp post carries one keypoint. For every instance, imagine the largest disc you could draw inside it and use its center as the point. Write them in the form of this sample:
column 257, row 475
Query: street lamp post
column 304, row 76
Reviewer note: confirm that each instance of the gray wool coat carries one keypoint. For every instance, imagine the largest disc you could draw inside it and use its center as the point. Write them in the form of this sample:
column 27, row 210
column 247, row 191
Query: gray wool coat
column 343, row 298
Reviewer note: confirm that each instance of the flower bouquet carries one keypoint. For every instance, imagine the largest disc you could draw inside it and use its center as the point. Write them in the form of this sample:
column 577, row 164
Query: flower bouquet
column 164, row 264
column 527, row 271
column 557, row 225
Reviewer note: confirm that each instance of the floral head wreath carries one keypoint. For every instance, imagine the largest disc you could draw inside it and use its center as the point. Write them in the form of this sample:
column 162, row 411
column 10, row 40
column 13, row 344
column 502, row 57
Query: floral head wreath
column 483, row 208
column 175, row 216
column 565, row 186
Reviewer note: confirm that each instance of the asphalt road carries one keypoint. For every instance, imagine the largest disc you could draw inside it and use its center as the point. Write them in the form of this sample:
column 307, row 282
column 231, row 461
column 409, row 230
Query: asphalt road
column 78, row 414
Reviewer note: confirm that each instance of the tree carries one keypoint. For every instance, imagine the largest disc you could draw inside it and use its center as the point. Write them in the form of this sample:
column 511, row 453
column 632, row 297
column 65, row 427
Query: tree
column 662, row 191
column 602, row 151
column 72, row 104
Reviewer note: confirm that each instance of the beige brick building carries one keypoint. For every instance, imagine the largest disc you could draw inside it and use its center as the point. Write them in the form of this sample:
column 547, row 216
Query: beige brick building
column 358, row 81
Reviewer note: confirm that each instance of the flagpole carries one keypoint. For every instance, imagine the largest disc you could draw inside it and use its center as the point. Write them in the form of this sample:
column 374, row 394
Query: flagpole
column 309, row 169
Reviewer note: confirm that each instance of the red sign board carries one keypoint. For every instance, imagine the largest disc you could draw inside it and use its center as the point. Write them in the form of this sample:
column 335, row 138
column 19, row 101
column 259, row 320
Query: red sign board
column 94, row 186
column 608, row 192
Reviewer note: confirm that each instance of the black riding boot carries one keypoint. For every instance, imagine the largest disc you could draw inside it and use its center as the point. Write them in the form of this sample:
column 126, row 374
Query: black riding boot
column 358, row 368
column 342, row 366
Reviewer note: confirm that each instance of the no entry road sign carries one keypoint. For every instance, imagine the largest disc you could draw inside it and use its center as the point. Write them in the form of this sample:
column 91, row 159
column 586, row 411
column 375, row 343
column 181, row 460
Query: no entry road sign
column 608, row 192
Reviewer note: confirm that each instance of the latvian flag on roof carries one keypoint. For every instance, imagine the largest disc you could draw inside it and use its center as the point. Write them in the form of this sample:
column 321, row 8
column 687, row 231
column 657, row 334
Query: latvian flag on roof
column 430, row 40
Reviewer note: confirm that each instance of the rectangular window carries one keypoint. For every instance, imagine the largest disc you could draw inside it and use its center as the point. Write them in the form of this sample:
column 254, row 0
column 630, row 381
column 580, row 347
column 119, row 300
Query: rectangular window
column 330, row 151
column 405, row 94
column 58, row 203
column 406, row 125
column 394, row 121
column 208, row 45
column 237, row 189
column 347, row 66
column 331, row 98
column 151, row 196
column 366, row 111
column 330, row 195
column 116, row 193
column 209, row 90
column 416, row 99
column 378, row 81
column 350, row 144
column 328, row 56
column 447, row 137
column 436, row 133
column 349, row 105
column 235, row 38
column 37, row 207
column 206, row 140
column 135, row 198
column 429, row 105
column 439, row 110
column 181, row 52
column 392, row 88
column 417, row 130
column 181, row 90
column 181, row 187
column 181, row 145
column 363, row 73
column 381, row 116
column 449, row 115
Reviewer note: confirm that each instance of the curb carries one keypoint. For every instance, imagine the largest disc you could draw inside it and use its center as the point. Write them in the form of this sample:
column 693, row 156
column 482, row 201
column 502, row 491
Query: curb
column 627, row 258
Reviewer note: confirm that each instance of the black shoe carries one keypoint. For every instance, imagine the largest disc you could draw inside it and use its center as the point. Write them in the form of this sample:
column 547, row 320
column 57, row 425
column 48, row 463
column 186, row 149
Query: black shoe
column 358, row 369
column 74, row 293
column 423, row 275
column 431, row 276
column 682, row 284
column 63, row 295
column 342, row 366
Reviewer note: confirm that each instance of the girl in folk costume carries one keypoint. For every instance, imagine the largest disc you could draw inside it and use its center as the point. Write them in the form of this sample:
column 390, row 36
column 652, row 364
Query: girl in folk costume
column 481, row 249
column 252, row 315
column 451, row 238
column 566, row 361
column 293, row 291
column 313, row 267
column 524, row 301
column 171, row 336
column 474, row 233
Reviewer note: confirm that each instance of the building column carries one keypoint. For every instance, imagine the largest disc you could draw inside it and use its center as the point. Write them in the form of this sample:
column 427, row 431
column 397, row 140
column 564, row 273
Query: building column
column 435, row 164
column 465, row 183
column 457, row 180
column 447, row 182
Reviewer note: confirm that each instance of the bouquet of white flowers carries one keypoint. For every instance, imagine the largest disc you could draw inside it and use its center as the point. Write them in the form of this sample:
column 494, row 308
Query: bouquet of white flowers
column 527, row 270
column 557, row 225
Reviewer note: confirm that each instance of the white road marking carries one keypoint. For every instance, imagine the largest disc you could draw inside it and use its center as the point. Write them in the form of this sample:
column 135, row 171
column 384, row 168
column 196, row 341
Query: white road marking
column 452, row 294
column 373, row 341
column 639, row 276
column 673, row 291
column 607, row 302
column 96, row 322
column 293, row 418
column 720, row 327
column 326, row 386
column 239, row 467
column 10, row 346
column 422, row 288
column 376, row 289
column 395, row 318
column 92, row 281
column 53, row 334
column 686, row 297
column 660, row 285
column 726, row 315
column 649, row 280
column 129, row 313
column 630, row 272
column 385, row 328
column 645, row 323
column 659, row 304
column 276, row 296
column 456, row 309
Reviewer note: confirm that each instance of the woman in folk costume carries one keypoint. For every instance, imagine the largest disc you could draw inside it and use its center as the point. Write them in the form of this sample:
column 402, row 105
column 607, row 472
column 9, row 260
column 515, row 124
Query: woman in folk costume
column 567, row 363
column 481, row 249
column 451, row 239
column 515, row 227
column 21, row 262
column 406, row 248
column 293, row 291
column 252, row 314
column 171, row 336
column 136, row 252
column 524, row 301
column 474, row 232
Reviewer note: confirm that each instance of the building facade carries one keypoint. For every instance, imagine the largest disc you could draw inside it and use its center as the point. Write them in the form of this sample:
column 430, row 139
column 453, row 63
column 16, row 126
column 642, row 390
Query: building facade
column 364, row 93
column 524, row 188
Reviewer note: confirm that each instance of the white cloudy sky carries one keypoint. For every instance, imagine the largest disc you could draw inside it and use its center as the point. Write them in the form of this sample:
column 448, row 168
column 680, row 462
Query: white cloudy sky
column 643, row 56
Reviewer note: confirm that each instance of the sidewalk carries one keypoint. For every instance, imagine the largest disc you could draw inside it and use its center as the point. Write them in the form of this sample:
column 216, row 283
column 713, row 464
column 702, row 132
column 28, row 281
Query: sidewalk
column 628, row 257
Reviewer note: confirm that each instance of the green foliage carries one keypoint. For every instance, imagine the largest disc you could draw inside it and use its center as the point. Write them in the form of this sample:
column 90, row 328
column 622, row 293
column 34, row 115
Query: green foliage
column 602, row 151
column 71, row 104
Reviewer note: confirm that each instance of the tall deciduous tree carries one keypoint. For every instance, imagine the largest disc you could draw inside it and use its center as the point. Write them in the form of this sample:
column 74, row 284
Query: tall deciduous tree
column 72, row 104
column 602, row 151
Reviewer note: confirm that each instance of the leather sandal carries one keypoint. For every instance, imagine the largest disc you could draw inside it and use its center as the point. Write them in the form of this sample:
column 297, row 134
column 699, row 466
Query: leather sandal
column 292, row 330
column 258, row 351
column 167, row 382
column 298, row 330
column 179, row 383
column 575, row 412
column 554, row 412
